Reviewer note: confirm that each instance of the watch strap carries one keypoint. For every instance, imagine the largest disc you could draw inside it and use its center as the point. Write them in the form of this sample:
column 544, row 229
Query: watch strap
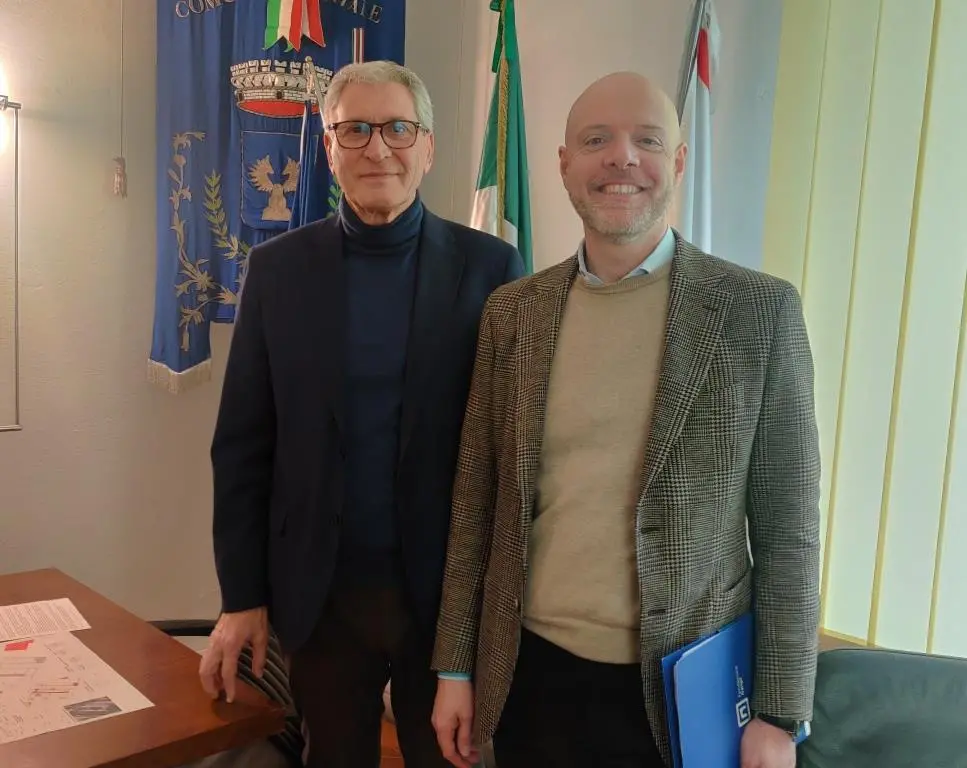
column 788, row 724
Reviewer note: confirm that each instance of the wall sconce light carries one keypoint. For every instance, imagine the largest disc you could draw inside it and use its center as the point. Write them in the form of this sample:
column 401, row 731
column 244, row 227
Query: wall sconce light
column 7, row 105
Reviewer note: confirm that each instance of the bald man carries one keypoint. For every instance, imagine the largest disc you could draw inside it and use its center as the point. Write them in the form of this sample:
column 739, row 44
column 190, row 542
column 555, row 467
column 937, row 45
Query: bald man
column 641, row 419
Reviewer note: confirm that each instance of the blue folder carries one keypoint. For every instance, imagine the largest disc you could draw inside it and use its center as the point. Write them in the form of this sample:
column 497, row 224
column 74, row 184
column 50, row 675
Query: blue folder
column 708, row 695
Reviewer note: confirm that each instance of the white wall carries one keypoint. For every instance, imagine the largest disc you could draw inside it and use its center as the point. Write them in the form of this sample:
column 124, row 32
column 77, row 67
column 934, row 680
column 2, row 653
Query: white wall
column 109, row 479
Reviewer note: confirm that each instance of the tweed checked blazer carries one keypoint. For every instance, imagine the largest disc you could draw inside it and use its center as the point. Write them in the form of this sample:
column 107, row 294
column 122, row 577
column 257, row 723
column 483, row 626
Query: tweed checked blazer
column 733, row 442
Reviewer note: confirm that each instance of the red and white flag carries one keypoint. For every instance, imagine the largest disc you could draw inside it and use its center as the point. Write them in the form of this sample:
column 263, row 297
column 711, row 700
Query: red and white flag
column 695, row 106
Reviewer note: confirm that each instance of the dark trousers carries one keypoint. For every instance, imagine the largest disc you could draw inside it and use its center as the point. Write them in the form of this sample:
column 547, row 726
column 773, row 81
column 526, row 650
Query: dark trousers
column 365, row 636
column 568, row 712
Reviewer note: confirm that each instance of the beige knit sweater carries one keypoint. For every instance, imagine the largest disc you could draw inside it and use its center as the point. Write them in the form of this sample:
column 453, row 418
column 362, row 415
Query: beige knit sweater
column 582, row 589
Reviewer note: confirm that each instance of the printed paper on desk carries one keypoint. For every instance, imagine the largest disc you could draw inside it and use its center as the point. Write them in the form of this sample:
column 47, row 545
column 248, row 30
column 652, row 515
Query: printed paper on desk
column 44, row 617
column 54, row 682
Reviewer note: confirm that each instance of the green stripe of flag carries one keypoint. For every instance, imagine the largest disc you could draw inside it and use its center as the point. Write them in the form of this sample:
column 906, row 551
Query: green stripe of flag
column 273, row 23
column 502, row 200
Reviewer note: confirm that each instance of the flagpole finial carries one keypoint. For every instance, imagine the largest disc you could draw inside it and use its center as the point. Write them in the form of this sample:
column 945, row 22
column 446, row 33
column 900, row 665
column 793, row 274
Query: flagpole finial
column 309, row 70
column 313, row 88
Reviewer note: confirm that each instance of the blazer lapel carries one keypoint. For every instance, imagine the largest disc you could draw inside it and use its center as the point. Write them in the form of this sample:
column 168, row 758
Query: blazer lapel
column 696, row 315
column 538, row 325
column 324, row 315
column 439, row 271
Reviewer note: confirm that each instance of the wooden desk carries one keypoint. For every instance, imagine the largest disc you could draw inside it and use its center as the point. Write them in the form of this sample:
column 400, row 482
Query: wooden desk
column 184, row 724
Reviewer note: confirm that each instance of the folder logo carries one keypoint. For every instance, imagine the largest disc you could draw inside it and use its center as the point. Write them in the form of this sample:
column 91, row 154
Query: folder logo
column 743, row 712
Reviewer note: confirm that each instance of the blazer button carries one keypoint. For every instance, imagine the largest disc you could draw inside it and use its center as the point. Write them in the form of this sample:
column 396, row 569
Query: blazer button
column 657, row 612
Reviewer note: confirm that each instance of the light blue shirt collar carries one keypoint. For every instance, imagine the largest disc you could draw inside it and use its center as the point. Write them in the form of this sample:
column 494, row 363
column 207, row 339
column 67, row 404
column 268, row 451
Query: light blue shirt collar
column 662, row 254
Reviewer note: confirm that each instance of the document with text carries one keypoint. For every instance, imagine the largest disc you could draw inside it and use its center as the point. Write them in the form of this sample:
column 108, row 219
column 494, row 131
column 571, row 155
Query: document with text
column 53, row 682
column 40, row 618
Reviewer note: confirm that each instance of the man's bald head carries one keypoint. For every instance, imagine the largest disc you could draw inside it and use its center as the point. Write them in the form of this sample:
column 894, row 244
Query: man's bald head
column 623, row 158
column 631, row 91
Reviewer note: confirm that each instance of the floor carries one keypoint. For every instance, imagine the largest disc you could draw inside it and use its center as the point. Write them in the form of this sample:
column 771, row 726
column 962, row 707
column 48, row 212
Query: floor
column 391, row 757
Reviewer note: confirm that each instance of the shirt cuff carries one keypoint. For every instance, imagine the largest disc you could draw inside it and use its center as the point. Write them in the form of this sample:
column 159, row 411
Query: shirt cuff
column 462, row 676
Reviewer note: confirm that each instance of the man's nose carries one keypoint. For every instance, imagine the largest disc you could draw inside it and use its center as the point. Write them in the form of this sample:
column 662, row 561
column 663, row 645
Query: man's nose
column 377, row 149
column 623, row 154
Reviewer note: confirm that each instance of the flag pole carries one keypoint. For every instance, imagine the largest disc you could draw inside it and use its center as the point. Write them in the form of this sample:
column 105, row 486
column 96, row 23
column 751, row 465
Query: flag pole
column 688, row 57
column 502, row 85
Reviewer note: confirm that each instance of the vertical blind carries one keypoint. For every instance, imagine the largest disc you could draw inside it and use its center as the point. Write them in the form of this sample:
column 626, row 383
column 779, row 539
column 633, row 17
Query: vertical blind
column 867, row 216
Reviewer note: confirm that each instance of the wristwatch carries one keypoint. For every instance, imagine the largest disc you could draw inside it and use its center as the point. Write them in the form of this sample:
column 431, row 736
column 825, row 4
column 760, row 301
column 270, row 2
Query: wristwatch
column 789, row 725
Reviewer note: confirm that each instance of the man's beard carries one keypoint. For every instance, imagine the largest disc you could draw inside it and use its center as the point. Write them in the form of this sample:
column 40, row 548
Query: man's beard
column 637, row 222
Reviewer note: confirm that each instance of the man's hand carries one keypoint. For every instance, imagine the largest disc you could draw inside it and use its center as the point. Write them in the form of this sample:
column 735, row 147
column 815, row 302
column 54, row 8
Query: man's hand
column 232, row 633
column 765, row 746
column 453, row 722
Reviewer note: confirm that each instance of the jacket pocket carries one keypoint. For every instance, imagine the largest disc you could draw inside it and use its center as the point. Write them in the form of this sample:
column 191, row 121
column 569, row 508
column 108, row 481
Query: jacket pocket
column 735, row 599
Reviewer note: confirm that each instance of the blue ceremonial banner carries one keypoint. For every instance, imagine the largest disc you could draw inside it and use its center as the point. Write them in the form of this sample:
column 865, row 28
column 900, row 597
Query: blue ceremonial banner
column 232, row 147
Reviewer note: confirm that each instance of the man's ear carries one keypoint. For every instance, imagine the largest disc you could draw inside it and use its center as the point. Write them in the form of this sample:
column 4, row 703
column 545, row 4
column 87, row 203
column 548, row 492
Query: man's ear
column 681, row 157
column 430, row 152
column 327, row 143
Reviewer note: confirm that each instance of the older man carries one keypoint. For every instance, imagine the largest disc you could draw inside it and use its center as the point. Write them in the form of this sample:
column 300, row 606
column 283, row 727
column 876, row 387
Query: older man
column 337, row 435
column 633, row 410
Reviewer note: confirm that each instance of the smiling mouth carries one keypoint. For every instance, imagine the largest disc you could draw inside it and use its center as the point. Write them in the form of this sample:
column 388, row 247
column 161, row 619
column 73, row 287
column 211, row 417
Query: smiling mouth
column 620, row 189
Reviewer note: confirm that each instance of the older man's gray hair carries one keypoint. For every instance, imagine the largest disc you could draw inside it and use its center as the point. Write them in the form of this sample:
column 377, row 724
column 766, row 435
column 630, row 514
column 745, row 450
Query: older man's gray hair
column 380, row 72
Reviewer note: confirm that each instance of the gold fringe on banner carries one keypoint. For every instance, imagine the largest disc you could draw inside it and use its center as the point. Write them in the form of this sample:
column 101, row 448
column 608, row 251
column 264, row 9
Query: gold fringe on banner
column 175, row 382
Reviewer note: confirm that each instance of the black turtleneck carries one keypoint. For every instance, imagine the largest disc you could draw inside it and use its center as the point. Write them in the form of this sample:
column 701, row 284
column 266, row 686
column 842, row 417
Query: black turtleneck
column 381, row 273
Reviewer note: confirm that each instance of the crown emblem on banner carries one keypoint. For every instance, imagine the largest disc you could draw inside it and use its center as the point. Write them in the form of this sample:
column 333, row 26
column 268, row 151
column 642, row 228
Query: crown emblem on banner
column 276, row 88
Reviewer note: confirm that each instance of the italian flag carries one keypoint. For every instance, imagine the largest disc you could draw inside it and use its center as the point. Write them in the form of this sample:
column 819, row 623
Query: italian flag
column 695, row 106
column 289, row 20
column 501, row 204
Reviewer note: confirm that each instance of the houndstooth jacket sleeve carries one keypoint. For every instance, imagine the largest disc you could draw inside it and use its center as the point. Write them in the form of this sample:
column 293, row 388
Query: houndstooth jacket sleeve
column 783, row 514
column 472, row 518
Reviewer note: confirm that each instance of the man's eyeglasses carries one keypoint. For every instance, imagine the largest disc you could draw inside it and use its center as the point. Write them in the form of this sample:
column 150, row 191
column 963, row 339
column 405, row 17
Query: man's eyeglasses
column 356, row 134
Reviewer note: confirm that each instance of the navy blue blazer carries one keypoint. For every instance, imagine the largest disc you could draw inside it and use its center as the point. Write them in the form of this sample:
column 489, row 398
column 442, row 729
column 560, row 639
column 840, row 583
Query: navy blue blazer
column 278, row 452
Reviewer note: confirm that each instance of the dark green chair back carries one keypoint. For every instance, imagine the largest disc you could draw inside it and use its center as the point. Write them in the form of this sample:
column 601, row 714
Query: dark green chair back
column 887, row 709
